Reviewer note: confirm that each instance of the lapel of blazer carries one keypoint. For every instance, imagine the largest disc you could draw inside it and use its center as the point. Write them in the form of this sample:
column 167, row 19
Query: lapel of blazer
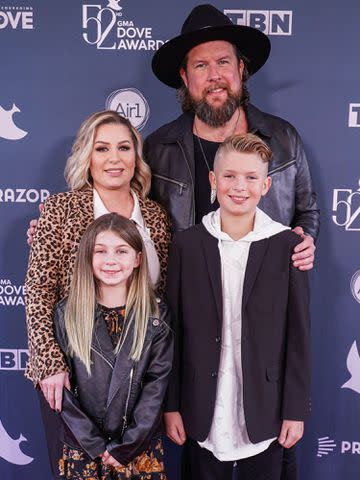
column 212, row 260
column 256, row 255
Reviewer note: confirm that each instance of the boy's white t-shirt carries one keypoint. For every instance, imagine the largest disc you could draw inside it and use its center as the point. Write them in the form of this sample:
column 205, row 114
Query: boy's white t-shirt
column 228, row 438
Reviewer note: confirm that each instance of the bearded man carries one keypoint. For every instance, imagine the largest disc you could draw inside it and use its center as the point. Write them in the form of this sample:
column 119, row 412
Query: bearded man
column 209, row 64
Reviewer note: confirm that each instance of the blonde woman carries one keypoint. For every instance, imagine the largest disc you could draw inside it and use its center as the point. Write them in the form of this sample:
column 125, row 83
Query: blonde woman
column 117, row 343
column 105, row 173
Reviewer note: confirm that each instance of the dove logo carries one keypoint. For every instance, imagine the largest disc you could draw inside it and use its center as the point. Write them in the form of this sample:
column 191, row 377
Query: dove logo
column 130, row 103
column 353, row 365
column 10, row 448
column 8, row 129
column 114, row 4
column 355, row 285
column 325, row 446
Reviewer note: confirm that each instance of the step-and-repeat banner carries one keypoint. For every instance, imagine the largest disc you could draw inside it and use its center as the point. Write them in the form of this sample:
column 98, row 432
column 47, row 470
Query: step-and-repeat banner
column 62, row 60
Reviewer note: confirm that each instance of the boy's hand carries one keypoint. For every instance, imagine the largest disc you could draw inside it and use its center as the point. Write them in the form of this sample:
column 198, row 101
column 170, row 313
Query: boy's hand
column 174, row 427
column 107, row 459
column 291, row 432
column 32, row 227
column 304, row 253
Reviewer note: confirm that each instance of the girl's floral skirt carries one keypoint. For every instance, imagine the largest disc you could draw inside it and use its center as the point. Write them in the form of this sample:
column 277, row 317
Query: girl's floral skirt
column 76, row 465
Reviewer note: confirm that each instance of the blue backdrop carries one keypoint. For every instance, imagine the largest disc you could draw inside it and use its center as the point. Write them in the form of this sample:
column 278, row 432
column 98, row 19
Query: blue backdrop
column 60, row 61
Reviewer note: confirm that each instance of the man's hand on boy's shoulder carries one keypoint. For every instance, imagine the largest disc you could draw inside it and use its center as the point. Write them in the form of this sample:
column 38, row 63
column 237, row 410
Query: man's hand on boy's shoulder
column 304, row 252
column 32, row 226
column 291, row 432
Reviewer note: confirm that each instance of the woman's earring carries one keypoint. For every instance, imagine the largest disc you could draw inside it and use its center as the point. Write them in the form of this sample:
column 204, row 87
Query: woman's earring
column 212, row 196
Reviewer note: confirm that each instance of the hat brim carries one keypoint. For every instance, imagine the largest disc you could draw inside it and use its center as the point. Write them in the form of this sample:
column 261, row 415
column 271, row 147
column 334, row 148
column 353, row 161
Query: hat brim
column 252, row 43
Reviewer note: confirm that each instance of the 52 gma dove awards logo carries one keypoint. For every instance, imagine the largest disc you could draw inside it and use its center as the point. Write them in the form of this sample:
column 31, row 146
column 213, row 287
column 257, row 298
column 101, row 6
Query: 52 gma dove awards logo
column 106, row 28
column 11, row 295
column 346, row 208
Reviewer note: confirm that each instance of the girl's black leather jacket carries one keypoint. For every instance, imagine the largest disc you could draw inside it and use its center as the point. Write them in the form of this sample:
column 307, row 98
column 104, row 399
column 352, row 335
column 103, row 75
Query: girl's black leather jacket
column 118, row 408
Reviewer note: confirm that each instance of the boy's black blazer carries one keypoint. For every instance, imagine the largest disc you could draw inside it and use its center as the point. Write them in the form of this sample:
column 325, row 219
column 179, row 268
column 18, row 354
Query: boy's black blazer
column 275, row 333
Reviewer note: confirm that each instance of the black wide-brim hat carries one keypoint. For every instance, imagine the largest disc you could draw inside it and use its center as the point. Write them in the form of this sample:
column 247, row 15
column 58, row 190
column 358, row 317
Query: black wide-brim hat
column 205, row 24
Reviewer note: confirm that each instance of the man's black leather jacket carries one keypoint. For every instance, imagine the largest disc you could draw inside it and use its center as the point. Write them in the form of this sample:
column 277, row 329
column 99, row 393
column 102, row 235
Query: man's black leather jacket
column 291, row 200
column 118, row 408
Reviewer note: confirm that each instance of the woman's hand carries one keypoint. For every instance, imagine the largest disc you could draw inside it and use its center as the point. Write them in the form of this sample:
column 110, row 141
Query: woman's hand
column 107, row 459
column 52, row 388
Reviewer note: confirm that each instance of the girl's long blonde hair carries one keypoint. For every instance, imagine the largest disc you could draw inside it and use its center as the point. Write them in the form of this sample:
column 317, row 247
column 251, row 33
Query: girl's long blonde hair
column 84, row 289
column 77, row 170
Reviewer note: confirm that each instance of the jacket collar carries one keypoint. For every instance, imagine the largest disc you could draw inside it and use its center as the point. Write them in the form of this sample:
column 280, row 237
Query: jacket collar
column 121, row 363
column 212, row 259
column 178, row 129
column 256, row 121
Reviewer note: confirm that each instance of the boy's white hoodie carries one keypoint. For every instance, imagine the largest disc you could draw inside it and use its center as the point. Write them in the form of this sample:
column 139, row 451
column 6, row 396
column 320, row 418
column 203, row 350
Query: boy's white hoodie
column 228, row 439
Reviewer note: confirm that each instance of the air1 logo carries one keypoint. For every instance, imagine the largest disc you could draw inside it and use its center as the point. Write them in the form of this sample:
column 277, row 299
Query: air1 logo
column 270, row 22
column 106, row 28
column 16, row 18
column 346, row 206
column 130, row 103
column 355, row 285
column 13, row 359
column 354, row 115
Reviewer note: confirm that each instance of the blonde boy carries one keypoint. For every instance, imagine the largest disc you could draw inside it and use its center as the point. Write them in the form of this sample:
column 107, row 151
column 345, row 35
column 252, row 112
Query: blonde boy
column 240, row 383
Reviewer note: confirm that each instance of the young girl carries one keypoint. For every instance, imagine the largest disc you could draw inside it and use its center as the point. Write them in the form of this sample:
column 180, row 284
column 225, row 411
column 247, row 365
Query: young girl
column 118, row 347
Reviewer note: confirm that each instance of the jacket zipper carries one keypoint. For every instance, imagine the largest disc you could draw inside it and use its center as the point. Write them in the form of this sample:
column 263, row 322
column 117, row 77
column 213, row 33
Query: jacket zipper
column 102, row 356
column 192, row 182
column 127, row 402
column 282, row 167
column 180, row 184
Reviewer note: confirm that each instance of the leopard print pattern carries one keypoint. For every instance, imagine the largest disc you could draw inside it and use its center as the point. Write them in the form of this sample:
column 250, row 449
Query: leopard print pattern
column 62, row 223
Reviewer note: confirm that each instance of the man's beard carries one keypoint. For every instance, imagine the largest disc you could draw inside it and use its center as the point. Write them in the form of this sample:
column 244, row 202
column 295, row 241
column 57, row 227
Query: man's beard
column 213, row 116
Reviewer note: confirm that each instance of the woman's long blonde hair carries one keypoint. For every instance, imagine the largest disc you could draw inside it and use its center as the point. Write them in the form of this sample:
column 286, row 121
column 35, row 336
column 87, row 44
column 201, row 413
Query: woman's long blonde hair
column 84, row 289
column 77, row 170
